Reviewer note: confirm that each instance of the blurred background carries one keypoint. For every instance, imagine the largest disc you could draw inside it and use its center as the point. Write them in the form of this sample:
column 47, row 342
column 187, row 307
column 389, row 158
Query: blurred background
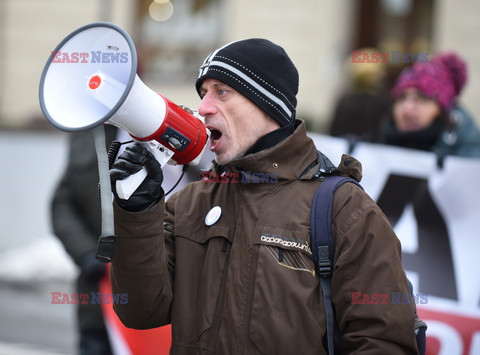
column 172, row 39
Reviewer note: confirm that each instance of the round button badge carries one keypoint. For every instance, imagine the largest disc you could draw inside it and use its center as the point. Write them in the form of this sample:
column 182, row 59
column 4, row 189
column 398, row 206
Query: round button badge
column 213, row 215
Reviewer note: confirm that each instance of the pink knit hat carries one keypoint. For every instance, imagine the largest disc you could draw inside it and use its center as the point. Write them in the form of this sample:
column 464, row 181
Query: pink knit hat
column 442, row 79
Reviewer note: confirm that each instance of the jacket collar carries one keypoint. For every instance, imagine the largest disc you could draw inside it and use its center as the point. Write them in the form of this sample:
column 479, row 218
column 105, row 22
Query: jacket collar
column 272, row 138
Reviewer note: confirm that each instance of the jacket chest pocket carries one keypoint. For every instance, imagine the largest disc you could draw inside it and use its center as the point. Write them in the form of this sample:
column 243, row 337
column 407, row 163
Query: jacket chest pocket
column 285, row 318
column 200, row 269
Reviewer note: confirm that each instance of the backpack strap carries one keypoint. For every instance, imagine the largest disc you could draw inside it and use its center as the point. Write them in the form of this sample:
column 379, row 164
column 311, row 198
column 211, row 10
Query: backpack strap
column 321, row 216
column 323, row 247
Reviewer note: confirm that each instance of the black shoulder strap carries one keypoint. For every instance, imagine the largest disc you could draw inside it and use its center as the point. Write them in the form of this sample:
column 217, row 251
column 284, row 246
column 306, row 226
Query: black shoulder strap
column 322, row 244
column 321, row 215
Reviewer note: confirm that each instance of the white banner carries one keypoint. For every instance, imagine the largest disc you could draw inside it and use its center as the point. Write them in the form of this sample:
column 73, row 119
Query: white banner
column 435, row 211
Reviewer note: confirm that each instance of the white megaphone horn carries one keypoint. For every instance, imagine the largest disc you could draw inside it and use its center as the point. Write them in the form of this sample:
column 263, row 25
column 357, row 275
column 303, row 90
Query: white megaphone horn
column 90, row 79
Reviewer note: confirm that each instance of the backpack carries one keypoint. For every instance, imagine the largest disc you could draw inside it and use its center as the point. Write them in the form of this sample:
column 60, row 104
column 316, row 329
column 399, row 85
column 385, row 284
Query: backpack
column 323, row 253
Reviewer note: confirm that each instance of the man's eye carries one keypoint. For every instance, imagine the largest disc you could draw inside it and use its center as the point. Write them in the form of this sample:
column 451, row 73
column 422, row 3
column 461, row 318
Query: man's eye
column 221, row 92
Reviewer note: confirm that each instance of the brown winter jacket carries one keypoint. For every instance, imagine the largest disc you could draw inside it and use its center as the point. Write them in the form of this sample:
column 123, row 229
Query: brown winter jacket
column 246, row 284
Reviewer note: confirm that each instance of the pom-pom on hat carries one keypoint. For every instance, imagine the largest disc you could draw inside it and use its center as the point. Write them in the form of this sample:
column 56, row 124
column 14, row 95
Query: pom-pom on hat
column 442, row 79
column 259, row 70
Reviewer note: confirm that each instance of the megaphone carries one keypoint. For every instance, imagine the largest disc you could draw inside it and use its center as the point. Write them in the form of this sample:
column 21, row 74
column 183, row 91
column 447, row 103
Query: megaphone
column 90, row 79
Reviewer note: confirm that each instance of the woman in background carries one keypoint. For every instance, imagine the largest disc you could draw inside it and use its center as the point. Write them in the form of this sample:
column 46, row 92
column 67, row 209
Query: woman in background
column 425, row 114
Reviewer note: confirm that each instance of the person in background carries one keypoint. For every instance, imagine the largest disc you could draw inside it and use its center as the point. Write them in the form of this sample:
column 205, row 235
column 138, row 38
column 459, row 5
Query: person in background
column 359, row 111
column 425, row 113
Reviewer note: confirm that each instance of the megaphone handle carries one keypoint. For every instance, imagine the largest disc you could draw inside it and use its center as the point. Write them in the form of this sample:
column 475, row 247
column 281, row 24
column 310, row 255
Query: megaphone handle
column 126, row 187
column 107, row 241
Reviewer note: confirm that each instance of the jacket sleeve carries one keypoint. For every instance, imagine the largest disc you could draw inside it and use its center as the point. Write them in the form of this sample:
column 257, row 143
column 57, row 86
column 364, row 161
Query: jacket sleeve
column 143, row 267
column 368, row 277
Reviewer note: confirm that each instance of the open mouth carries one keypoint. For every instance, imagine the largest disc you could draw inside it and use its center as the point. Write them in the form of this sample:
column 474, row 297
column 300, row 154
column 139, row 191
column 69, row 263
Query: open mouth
column 215, row 135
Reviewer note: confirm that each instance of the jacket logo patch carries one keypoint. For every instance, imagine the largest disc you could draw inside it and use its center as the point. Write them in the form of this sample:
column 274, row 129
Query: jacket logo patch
column 287, row 243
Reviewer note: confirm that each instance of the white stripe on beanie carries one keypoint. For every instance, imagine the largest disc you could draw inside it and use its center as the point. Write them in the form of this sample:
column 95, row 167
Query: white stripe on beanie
column 208, row 60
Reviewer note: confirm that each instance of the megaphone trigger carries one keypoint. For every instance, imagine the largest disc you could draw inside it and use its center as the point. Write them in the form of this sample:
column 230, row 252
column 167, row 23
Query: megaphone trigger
column 126, row 187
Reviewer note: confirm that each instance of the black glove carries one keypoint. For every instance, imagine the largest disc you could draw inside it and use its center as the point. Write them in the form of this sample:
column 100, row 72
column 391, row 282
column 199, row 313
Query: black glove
column 91, row 268
column 150, row 190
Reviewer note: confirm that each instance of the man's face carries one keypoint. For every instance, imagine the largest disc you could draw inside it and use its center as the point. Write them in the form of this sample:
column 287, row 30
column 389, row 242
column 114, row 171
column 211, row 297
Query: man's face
column 413, row 111
column 235, row 122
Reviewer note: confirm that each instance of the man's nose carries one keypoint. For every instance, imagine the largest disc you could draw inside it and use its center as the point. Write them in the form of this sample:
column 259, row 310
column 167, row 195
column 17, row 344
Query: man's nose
column 207, row 106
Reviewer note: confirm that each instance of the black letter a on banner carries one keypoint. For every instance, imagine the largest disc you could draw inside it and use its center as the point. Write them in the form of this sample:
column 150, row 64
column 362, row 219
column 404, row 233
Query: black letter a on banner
column 433, row 261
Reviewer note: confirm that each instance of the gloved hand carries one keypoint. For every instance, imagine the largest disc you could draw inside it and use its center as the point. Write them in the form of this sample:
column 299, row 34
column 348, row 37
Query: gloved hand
column 150, row 190
column 91, row 268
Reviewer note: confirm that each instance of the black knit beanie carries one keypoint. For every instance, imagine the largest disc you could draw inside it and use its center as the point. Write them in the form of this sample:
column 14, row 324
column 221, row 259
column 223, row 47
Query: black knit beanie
column 259, row 70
